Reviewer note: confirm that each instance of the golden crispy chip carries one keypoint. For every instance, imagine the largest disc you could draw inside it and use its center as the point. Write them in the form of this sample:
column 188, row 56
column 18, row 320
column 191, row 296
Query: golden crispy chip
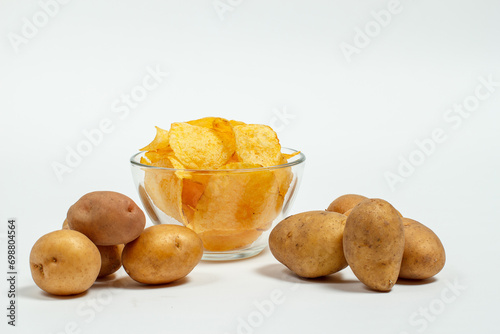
column 222, row 127
column 234, row 158
column 176, row 163
column 181, row 173
column 157, row 159
column 145, row 161
column 234, row 123
column 193, row 185
column 240, row 165
column 291, row 155
column 198, row 147
column 192, row 190
column 284, row 176
column 206, row 122
column 257, row 144
column 159, row 143
column 162, row 163
column 234, row 203
column 154, row 156
column 224, row 131
column 165, row 190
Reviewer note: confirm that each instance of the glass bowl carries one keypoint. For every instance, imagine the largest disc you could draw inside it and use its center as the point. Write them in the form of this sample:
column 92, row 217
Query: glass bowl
column 232, row 210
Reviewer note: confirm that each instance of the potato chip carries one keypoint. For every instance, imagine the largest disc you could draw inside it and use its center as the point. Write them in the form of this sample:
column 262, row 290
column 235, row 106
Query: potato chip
column 257, row 144
column 193, row 185
column 206, row 122
column 181, row 173
column 284, row 177
column 157, row 159
column 224, row 131
column 234, row 158
column 192, row 190
column 234, row 123
column 159, row 143
column 236, row 202
column 222, row 127
column 176, row 163
column 154, row 156
column 198, row 147
column 240, row 165
column 290, row 155
column 165, row 190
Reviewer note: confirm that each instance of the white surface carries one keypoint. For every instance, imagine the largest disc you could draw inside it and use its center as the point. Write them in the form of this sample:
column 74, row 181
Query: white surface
column 353, row 120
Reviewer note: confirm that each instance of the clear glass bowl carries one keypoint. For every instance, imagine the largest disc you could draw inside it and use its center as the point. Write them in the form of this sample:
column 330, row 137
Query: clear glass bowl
column 232, row 210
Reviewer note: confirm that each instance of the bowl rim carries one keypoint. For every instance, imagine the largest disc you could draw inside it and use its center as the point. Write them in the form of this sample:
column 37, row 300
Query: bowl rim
column 296, row 160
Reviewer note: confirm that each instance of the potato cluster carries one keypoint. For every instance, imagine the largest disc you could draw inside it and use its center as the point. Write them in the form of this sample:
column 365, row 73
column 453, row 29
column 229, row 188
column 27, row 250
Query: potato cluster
column 102, row 231
column 369, row 235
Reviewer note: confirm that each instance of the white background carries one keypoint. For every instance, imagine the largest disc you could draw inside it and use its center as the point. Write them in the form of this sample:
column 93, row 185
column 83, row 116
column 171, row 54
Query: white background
column 355, row 119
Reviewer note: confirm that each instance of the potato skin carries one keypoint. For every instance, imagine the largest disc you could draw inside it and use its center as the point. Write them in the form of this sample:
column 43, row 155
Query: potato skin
column 111, row 259
column 374, row 243
column 310, row 243
column 107, row 218
column 64, row 262
column 424, row 255
column 162, row 254
column 348, row 212
column 65, row 225
column 345, row 202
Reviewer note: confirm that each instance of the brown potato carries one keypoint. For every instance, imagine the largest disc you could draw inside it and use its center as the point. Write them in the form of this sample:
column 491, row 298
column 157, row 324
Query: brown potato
column 162, row 254
column 310, row 243
column 424, row 254
column 348, row 212
column 64, row 262
column 374, row 243
column 111, row 259
column 345, row 202
column 107, row 218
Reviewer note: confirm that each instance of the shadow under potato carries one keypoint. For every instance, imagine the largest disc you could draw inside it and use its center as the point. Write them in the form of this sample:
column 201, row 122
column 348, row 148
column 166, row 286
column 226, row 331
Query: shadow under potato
column 126, row 282
column 34, row 292
column 406, row 281
column 334, row 281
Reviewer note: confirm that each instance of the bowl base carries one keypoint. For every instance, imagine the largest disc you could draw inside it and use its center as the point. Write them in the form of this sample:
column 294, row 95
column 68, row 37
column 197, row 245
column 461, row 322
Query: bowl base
column 237, row 254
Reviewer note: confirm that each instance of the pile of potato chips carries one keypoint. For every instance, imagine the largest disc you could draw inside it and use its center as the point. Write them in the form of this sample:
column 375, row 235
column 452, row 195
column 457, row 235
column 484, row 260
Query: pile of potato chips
column 214, row 189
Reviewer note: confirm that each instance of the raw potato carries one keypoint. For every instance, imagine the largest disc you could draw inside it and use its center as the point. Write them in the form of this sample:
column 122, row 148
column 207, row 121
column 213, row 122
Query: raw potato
column 345, row 203
column 64, row 262
column 310, row 243
column 348, row 212
column 374, row 243
column 107, row 218
column 111, row 259
column 162, row 254
column 424, row 254
column 65, row 225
